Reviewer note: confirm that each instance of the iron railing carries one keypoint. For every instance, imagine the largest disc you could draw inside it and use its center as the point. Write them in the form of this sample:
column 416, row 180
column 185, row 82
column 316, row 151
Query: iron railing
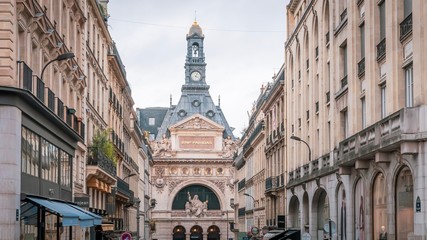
column 361, row 67
column 104, row 163
column 406, row 27
column 381, row 49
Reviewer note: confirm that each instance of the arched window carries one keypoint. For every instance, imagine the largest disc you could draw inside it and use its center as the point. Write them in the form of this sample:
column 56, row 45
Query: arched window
column 203, row 194
column 342, row 213
column 359, row 210
column 379, row 206
column 294, row 213
column 195, row 50
column 404, row 204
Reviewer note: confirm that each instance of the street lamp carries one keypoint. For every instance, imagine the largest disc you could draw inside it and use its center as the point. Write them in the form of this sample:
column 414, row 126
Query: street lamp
column 226, row 213
column 61, row 57
column 253, row 210
column 300, row 140
column 130, row 175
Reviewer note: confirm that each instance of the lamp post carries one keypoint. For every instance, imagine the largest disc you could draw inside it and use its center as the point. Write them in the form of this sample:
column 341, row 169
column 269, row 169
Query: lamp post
column 61, row 57
column 138, row 204
column 226, row 215
column 130, row 175
column 253, row 210
column 300, row 140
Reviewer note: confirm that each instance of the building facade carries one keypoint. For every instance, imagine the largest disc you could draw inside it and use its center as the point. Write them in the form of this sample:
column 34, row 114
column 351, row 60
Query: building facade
column 59, row 65
column 250, row 167
column 355, row 106
column 193, row 147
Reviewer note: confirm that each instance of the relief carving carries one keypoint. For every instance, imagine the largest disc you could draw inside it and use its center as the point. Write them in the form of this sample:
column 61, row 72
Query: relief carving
column 220, row 185
column 173, row 183
column 161, row 148
column 229, row 146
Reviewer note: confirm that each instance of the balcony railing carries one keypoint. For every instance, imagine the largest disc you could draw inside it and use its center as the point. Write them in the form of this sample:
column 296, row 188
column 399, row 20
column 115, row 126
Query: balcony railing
column 309, row 171
column 381, row 50
column 388, row 133
column 45, row 95
column 344, row 81
column 123, row 188
column 104, row 163
column 316, row 52
column 343, row 15
column 241, row 184
column 118, row 223
column 328, row 97
column 268, row 183
column 361, row 67
column 406, row 27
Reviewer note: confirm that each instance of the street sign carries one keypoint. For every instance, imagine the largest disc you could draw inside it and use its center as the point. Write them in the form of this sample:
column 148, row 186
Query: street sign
column 254, row 230
column 306, row 236
column 126, row 236
column 333, row 227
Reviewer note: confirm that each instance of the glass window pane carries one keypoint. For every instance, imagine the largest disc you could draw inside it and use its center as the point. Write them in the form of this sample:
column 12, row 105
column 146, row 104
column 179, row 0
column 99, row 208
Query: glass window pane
column 404, row 204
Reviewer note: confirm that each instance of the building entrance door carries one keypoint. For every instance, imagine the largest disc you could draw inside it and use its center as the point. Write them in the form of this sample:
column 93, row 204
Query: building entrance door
column 196, row 233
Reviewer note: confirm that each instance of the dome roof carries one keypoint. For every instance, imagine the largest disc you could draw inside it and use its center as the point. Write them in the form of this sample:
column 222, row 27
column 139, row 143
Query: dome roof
column 195, row 28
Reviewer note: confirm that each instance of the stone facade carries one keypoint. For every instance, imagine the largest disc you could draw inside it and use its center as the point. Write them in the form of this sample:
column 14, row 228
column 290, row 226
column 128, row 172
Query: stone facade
column 355, row 94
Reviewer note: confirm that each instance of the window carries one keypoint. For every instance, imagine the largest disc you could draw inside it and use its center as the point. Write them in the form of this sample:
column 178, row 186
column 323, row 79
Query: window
column 65, row 169
column 344, row 122
column 49, row 161
column 362, row 40
column 407, row 7
column 151, row 121
column 30, row 157
column 409, row 86
column 383, row 101
column 382, row 20
column 363, row 106
column 404, row 204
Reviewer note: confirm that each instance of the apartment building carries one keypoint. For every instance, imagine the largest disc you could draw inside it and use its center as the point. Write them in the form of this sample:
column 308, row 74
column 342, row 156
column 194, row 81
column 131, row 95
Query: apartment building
column 250, row 165
column 355, row 106
column 58, row 69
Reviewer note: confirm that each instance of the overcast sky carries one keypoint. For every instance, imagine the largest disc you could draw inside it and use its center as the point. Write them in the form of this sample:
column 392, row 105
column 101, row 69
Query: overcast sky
column 244, row 47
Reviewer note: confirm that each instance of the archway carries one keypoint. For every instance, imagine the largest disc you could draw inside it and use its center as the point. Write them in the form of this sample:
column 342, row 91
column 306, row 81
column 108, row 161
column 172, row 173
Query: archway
column 404, row 197
column 196, row 233
column 213, row 233
column 379, row 205
column 321, row 213
column 294, row 213
column 179, row 233
column 203, row 194
column 306, row 218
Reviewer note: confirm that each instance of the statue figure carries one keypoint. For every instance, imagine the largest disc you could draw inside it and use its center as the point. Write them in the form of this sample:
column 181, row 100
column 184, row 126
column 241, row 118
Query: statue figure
column 195, row 206
column 162, row 148
column 228, row 147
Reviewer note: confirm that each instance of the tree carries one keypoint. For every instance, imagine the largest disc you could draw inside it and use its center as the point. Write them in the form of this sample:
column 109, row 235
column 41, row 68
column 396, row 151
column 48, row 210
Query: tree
column 102, row 145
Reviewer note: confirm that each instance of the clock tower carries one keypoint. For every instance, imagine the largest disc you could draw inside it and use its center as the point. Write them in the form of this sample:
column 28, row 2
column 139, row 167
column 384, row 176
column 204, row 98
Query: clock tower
column 195, row 66
column 195, row 98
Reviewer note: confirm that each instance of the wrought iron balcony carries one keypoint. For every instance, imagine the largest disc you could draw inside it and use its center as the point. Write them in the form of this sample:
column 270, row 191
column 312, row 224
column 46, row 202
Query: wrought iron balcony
column 381, row 49
column 344, row 81
column 343, row 15
column 406, row 27
column 104, row 163
column 46, row 96
column 268, row 183
column 361, row 67
column 123, row 188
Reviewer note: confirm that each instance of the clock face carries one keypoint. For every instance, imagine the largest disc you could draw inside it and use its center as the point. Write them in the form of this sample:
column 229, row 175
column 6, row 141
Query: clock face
column 196, row 76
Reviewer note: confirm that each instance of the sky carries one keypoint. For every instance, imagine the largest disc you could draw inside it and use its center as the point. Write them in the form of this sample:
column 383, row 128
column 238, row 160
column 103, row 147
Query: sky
column 243, row 45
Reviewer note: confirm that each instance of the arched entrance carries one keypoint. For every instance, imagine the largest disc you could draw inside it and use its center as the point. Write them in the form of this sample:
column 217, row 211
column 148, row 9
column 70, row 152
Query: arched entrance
column 294, row 213
column 305, row 220
column 379, row 205
column 321, row 214
column 404, row 204
column 196, row 233
column 179, row 233
column 213, row 233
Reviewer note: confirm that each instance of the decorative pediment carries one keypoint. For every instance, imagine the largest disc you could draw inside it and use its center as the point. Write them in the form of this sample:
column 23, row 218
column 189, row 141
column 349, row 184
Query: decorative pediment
column 197, row 122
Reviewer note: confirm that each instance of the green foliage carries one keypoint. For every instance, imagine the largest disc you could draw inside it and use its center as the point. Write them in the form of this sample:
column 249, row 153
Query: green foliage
column 102, row 145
